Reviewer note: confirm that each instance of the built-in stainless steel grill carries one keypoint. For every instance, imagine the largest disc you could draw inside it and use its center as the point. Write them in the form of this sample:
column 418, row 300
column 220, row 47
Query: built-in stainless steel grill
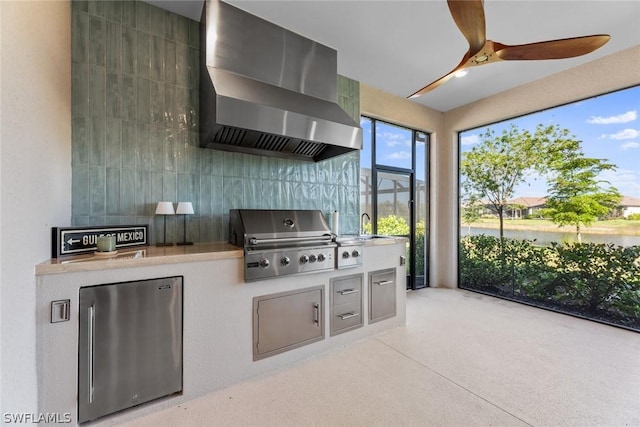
column 282, row 242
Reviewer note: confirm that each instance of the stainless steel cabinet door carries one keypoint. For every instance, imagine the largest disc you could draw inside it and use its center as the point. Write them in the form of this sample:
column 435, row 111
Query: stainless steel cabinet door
column 382, row 295
column 130, row 346
column 287, row 320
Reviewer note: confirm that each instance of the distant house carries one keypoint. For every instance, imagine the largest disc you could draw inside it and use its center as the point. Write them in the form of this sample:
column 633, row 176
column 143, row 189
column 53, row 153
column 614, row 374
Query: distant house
column 521, row 207
column 628, row 206
column 517, row 208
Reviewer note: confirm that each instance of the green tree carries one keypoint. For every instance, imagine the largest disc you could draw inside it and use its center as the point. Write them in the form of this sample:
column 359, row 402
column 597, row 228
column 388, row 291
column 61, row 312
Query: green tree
column 493, row 168
column 577, row 196
column 471, row 210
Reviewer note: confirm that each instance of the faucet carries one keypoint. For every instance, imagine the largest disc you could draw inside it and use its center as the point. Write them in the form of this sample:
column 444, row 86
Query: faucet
column 362, row 221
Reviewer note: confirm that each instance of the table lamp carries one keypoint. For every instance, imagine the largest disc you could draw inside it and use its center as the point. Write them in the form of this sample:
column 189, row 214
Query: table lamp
column 185, row 208
column 165, row 208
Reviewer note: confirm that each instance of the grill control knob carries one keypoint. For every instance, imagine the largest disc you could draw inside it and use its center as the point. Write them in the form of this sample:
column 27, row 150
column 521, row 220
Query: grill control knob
column 312, row 258
column 264, row 263
column 304, row 259
column 321, row 257
column 285, row 260
column 345, row 254
column 355, row 253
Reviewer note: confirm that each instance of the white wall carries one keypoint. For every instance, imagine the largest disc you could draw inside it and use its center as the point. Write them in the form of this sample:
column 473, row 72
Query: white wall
column 35, row 176
column 630, row 211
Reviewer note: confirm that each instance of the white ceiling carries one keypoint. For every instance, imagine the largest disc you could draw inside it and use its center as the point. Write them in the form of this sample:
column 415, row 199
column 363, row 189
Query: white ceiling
column 400, row 46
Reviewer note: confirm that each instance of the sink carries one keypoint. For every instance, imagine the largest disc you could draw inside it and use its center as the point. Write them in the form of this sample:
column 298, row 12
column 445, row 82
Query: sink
column 353, row 239
column 372, row 236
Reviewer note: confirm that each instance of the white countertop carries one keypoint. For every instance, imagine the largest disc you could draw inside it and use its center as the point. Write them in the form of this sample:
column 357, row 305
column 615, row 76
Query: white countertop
column 141, row 256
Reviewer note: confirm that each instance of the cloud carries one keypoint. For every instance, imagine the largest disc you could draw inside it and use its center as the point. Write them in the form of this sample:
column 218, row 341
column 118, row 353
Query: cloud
column 394, row 139
column 470, row 140
column 629, row 145
column 625, row 180
column 400, row 155
column 627, row 117
column 623, row 134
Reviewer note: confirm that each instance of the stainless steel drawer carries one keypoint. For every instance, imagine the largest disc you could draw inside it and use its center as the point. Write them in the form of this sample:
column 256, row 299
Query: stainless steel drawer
column 347, row 290
column 346, row 315
column 346, row 303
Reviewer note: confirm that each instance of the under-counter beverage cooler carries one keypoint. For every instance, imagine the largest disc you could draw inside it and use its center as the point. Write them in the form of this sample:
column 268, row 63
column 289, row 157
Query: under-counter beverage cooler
column 130, row 345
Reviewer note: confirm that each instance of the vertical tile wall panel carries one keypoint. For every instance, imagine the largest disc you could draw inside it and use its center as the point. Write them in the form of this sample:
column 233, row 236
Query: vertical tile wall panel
column 128, row 180
column 112, row 188
column 97, row 41
column 113, row 10
column 97, row 191
column 113, row 146
column 128, row 12
column 113, row 46
column 128, row 49
column 113, row 94
column 80, row 41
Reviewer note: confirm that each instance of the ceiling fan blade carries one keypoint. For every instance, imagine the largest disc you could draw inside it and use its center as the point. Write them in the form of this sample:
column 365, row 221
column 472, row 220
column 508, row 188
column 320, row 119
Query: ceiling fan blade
column 552, row 49
column 469, row 17
column 441, row 80
column 431, row 85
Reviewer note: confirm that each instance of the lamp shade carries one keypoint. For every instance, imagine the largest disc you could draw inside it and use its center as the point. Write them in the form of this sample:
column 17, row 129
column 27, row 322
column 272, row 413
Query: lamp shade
column 165, row 208
column 184, row 208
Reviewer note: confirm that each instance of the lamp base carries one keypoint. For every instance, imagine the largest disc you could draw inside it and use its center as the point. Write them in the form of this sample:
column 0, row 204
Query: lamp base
column 164, row 244
column 184, row 243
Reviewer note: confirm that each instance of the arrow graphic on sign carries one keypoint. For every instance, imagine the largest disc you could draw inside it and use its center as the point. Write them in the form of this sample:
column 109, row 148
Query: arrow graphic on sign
column 71, row 241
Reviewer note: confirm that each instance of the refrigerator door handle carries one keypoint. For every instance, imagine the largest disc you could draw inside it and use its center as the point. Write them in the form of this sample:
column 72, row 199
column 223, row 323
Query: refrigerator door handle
column 91, row 339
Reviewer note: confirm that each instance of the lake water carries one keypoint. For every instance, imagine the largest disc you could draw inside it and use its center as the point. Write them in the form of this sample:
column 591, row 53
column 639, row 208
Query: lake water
column 546, row 237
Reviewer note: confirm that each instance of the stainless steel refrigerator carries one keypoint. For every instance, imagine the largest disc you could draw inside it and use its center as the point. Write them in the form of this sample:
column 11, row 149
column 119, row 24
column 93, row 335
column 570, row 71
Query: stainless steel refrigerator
column 130, row 346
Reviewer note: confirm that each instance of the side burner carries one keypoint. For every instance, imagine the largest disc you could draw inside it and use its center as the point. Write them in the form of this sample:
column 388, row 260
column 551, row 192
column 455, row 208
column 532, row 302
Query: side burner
column 350, row 252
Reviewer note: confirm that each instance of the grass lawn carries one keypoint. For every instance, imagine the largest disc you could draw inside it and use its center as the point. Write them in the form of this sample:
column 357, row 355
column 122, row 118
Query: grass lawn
column 614, row 226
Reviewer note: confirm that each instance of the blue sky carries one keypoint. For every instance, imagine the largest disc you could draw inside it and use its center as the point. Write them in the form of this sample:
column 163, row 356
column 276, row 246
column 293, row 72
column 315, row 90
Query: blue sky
column 393, row 147
column 608, row 126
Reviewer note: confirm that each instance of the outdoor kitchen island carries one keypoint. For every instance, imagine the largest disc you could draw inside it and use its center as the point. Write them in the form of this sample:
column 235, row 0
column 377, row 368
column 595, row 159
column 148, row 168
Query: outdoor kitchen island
column 218, row 314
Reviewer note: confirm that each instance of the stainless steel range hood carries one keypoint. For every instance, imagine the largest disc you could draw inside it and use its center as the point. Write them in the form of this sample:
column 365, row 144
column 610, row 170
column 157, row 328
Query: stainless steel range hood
column 268, row 91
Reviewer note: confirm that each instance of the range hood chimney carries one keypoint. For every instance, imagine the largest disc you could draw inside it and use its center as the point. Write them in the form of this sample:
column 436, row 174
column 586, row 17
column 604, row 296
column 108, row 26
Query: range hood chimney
column 268, row 91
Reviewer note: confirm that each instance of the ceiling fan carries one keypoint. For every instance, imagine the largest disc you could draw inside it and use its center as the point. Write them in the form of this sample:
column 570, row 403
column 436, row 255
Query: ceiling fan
column 469, row 17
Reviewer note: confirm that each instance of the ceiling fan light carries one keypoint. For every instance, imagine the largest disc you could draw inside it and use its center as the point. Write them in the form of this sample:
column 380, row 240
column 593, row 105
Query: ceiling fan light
column 482, row 58
column 461, row 73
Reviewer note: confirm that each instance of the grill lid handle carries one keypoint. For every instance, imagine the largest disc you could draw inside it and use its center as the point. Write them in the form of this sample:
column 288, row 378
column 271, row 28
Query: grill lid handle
column 324, row 238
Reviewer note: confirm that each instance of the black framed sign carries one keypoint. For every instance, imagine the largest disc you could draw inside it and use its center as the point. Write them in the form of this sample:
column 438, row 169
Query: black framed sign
column 81, row 240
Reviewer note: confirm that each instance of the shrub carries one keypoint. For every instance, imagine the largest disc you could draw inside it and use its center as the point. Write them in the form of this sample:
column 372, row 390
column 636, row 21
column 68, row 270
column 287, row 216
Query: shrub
column 420, row 248
column 392, row 225
column 594, row 279
column 599, row 277
column 481, row 263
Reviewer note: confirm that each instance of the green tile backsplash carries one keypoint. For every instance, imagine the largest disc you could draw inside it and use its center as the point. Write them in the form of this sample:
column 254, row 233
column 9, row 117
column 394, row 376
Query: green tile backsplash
column 135, row 79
